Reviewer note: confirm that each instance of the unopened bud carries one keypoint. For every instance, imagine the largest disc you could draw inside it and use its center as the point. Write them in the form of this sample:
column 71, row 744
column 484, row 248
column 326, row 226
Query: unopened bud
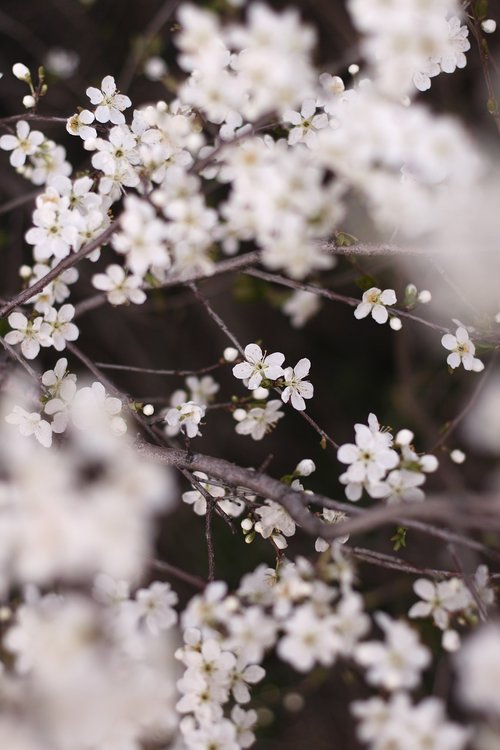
column 305, row 467
column 260, row 394
column 489, row 26
column 29, row 101
column 424, row 296
column 148, row 410
column 457, row 456
column 395, row 324
column 404, row 437
column 230, row 354
column 21, row 72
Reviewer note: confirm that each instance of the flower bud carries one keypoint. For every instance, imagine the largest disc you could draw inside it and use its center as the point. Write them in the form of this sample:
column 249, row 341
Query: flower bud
column 29, row 101
column 148, row 410
column 230, row 354
column 305, row 467
column 239, row 415
column 395, row 324
column 424, row 296
column 450, row 640
column 260, row 394
column 489, row 26
column 404, row 437
column 21, row 72
column 457, row 456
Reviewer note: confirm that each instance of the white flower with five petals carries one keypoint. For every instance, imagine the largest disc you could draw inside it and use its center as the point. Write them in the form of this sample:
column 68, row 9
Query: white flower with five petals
column 462, row 350
column 120, row 288
column 31, row 424
column 110, row 103
column 31, row 334
column 258, row 366
column 369, row 459
column 374, row 301
column 296, row 389
column 24, row 144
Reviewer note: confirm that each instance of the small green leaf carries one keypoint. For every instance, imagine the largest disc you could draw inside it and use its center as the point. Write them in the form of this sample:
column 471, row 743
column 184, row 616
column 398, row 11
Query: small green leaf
column 492, row 106
column 366, row 282
column 399, row 538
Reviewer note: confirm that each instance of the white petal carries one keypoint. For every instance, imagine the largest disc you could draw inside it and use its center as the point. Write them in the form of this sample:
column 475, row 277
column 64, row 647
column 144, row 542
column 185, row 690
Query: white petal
column 302, row 368
column 253, row 353
column 18, row 320
column 449, row 341
column 362, row 310
column 380, row 314
column 388, row 297
column 242, row 370
column 424, row 589
column 348, row 453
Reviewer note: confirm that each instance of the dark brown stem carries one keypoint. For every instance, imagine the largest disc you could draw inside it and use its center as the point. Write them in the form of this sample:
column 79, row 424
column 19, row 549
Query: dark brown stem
column 68, row 262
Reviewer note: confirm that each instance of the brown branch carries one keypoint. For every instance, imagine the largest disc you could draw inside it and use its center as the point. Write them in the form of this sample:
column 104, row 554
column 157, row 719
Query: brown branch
column 151, row 371
column 397, row 563
column 216, row 317
column 228, row 265
column 173, row 570
column 479, row 513
column 68, row 262
column 328, row 294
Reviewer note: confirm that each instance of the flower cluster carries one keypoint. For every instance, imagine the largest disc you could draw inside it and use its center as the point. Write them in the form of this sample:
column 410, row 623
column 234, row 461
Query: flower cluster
column 376, row 466
column 290, row 382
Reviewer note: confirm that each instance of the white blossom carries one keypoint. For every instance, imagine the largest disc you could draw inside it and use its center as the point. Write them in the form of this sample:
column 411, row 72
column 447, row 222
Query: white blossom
column 187, row 416
column 258, row 421
column 258, row 366
column 110, row 103
column 374, row 301
column 462, row 350
column 296, row 388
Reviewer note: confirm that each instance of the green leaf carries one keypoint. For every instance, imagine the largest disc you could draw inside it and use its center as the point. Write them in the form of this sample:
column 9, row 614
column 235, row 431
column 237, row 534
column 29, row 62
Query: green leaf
column 365, row 282
column 492, row 106
column 399, row 538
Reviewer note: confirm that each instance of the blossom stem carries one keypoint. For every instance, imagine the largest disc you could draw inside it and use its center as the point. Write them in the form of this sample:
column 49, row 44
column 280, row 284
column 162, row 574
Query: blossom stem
column 68, row 262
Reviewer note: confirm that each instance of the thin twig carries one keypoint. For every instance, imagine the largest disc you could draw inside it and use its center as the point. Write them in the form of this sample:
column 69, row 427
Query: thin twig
column 215, row 317
column 151, row 371
column 21, row 200
column 68, row 262
column 153, row 28
column 228, row 265
column 328, row 294
column 173, row 570
column 453, row 424
column 396, row 563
